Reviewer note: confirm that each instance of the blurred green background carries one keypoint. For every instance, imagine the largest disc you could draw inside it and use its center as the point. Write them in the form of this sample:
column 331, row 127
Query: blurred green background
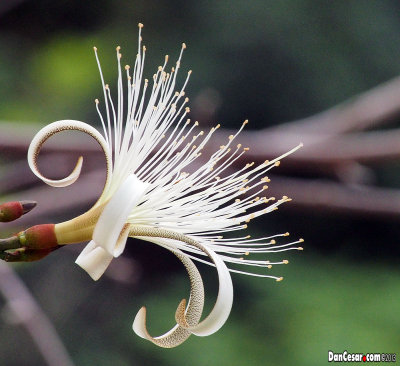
column 268, row 61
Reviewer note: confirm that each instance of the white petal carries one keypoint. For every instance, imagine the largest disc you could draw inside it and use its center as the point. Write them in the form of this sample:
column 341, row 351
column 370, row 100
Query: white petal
column 223, row 305
column 50, row 130
column 94, row 260
column 114, row 216
column 190, row 314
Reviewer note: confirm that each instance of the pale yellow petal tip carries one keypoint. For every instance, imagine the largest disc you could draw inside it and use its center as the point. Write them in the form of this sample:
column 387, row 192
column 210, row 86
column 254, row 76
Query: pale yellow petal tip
column 139, row 324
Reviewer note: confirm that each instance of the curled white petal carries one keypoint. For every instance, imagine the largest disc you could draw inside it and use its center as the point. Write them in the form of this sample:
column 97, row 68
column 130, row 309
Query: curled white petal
column 114, row 216
column 58, row 126
column 223, row 305
column 94, row 260
column 191, row 313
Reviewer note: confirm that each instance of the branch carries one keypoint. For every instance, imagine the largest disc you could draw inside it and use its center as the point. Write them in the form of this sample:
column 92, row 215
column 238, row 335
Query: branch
column 28, row 313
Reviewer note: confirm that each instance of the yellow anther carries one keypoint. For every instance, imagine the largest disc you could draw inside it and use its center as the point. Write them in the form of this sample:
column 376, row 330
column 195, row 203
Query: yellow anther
column 279, row 279
column 273, row 241
column 300, row 248
column 140, row 25
column 285, row 261
column 277, row 163
column 230, row 137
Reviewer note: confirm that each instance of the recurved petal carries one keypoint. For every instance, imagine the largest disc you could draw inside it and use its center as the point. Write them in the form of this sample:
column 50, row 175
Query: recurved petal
column 94, row 260
column 112, row 220
column 191, row 314
column 46, row 132
column 223, row 305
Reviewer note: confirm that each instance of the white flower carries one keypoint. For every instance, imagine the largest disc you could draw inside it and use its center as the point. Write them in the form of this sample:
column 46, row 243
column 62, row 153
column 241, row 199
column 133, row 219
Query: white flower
column 149, row 145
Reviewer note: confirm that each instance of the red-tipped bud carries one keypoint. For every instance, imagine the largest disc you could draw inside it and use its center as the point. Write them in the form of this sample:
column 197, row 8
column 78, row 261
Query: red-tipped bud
column 11, row 211
column 39, row 237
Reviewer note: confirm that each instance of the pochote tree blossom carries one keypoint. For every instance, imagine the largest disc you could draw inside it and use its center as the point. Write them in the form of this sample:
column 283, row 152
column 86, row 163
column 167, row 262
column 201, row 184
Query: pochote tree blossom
column 149, row 145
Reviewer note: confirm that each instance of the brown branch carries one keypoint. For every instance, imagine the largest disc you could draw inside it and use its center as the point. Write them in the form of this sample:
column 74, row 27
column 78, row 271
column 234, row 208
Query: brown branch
column 334, row 197
column 369, row 109
column 328, row 151
column 25, row 310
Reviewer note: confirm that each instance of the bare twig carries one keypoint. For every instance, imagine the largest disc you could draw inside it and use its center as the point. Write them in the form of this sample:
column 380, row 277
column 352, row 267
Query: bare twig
column 369, row 109
column 329, row 151
column 28, row 313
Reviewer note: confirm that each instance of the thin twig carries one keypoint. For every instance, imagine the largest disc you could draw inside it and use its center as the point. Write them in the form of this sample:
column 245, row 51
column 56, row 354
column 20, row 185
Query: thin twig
column 28, row 313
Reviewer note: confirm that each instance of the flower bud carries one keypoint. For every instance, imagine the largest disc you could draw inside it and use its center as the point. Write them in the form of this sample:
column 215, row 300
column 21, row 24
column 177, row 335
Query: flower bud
column 38, row 237
column 11, row 211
